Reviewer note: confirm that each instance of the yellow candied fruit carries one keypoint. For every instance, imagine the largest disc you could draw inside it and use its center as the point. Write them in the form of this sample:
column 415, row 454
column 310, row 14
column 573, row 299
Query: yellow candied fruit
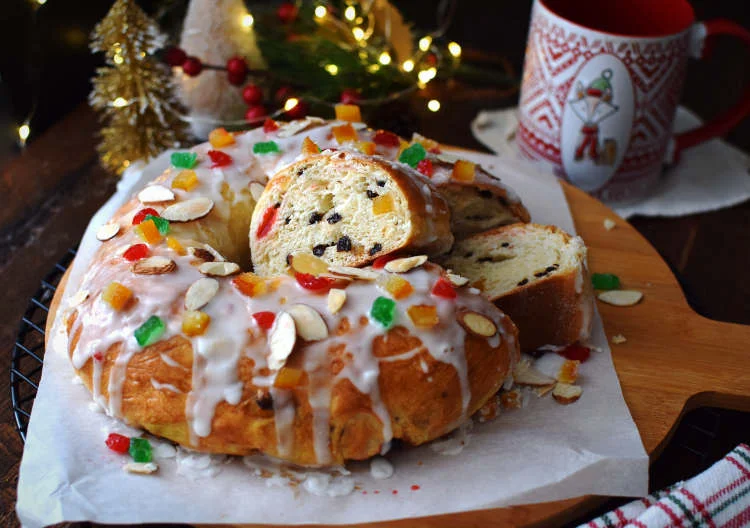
column 427, row 143
column 348, row 112
column 382, row 204
column 397, row 286
column 309, row 147
column 403, row 145
column 344, row 133
column 175, row 246
column 463, row 171
column 288, row 378
column 423, row 315
column 568, row 372
column 307, row 263
column 148, row 231
column 194, row 322
column 250, row 284
column 366, row 147
column 185, row 180
column 117, row 295
column 219, row 137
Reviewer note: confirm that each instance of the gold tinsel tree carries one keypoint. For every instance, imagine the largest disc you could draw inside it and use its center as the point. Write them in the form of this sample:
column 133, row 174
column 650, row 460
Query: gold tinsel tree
column 134, row 91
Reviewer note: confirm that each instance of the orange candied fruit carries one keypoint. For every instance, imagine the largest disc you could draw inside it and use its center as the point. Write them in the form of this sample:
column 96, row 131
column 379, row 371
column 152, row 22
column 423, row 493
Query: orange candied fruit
column 175, row 246
column 398, row 287
column 185, row 180
column 348, row 112
column 219, row 137
column 366, row 147
column 195, row 323
column 117, row 295
column 403, row 145
column 148, row 232
column 423, row 315
column 464, row 171
column 288, row 378
column 309, row 147
column 344, row 133
column 250, row 284
column 382, row 204
column 568, row 372
column 427, row 143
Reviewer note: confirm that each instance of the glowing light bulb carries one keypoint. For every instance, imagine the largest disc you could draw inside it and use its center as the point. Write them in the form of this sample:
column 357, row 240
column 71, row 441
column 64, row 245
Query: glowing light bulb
column 408, row 65
column 290, row 103
column 247, row 21
column 424, row 43
column 119, row 102
column 385, row 58
column 41, row 2
column 350, row 13
column 118, row 59
column 433, row 105
column 372, row 68
column 321, row 11
column 454, row 48
column 332, row 69
column 358, row 33
column 24, row 131
column 426, row 76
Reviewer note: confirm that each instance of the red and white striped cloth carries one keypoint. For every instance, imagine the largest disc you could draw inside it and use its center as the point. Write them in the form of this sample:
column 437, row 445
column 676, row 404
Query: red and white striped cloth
column 717, row 498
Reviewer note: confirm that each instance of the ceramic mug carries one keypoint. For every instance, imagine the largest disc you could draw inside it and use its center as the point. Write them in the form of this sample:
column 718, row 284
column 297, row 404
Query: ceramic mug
column 601, row 85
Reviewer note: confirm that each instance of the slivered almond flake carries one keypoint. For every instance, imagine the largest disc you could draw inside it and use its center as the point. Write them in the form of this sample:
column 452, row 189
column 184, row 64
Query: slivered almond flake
column 618, row 339
column 256, row 189
column 310, row 325
column 200, row 293
column 281, row 340
column 202, row 254
column 295, row 127
column 402, row 265
column 141, row 468
column 154, row 266
column 621, row 297
column 566, row 393
column 355, row 273
column 219, row 269
column 568, row 372
column 107, row 231
column 188, row 210
column 457, row 280
column 525, row 374
column 336, row 300
column 542, row 391
column 155, row 194
column 477, row 324
column 78, row 298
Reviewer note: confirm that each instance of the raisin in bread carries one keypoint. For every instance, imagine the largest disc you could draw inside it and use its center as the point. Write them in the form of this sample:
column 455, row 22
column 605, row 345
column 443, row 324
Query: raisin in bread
column 348, row 209
column 536, row 274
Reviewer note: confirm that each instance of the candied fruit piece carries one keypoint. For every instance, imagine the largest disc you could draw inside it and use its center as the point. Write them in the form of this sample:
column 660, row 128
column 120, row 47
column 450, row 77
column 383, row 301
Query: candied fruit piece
column 118, row 443
column 250, row 284
column 386, row 139
column 443, row 288
column 309, row 147
column 185, row 180
column 195, row 322
column 382, row 204
column 605, row 281
column 427, row 143
column 288, row 378
column 463, row 171
column 398, row 287
column 269, row 125
column 184, row 160
column 219, row 159
column 150, row 331
column 380, row 262
column 412, row 155
column 136, row 252
column 266, row 147
column 383, row 311
column 568, row 372
column 366, row 147
column 162, row 224
column 264, row 319
column 306, row 263
column 348, row 112
column 425, row 167
column 219, row 137
column 116, row 295
column 344, row 133
column 266, row 223
column 148, row 232
column 175, row 246
column 576, row 352
column 141, row 215
column 140, row 450
column 423, row 315
column 317, row 284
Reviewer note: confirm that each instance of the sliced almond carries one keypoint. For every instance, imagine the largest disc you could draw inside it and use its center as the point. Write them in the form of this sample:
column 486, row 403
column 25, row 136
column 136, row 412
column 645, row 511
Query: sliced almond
column 355, row 273
column 543, row 390
column 336, row 300
column 200, row 293
column 295, row 127
column 568, row 372
column 188, row 210
column 525, row 374
column 281, row 341
column 477, row 324
column 78, row 297
column 402, row 265
column 609, row 224
column 566, row 393
column 310, row 325
column 457, row 280
column 618, row 339
column 154, row 266
column 155, row 194
column 621, row 297
column 219, row 269
column 256, row 189
column 107, row 231
column 205, row 253
column 141, row 468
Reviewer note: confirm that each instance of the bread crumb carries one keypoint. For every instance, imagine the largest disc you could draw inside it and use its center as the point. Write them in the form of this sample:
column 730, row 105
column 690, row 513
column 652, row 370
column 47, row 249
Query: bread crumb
column 618, row 339
column 609, row 224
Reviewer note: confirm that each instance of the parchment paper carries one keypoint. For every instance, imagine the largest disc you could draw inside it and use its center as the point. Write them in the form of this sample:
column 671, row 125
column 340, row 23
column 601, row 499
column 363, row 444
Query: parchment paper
column 542, row 452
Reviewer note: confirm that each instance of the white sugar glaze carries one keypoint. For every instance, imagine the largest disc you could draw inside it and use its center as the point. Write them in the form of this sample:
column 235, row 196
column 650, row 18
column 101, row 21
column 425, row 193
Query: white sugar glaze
column 233, row 333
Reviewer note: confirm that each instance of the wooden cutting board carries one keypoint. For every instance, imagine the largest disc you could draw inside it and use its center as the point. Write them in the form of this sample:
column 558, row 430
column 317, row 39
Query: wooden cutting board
column 674, row 360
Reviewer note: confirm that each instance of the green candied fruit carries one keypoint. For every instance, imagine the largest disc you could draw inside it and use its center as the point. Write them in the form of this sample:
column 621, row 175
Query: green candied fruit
column 150, row 331
column 162, row 224
column 605, row 281
column 412, row 155
column 184, row 160
column 383, row 311
column 140, row 450
column 266, row 147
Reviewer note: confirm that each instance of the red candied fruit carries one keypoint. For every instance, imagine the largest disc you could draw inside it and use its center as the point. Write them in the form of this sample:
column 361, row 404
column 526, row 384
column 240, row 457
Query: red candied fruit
column 118, row 443
column 269, row 125
column 576, row 352
column 266, row 223
column 264, row 319
column 386, row 139
column 315, row 284
column 219, row 158
column 443, row 288
column 141, row 215
column 380, row 262
column 136, row 252
column 434, row 150
column 98, row 356
column 425, row 167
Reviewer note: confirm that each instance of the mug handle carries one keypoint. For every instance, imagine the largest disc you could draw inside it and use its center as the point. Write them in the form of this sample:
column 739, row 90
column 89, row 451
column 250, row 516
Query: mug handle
column 702, row 33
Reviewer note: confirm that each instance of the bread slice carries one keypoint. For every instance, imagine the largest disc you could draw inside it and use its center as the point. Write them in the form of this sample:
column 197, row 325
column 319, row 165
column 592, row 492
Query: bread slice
column 536, row 274
column 347, row 209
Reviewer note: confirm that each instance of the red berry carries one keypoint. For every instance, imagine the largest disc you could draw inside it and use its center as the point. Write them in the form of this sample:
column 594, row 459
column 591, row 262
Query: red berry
column 386, row 139
column 175, row 56
column 443, row 288
column 282, row 94
column 192, row 66
column 266, row 223
column 264, row 319
column 255, row 113
column 237, row 65
column 136, row 252
column 236, row 79
column 425, row 167
column 252, row 94
column 298, row 111
column 287, row 12
column 269, row 125
column 350, row 96
column 118, row 443
column 219, row 158
column 315, row 284
column 140, row 216
column 380, row 262
column 576, row 352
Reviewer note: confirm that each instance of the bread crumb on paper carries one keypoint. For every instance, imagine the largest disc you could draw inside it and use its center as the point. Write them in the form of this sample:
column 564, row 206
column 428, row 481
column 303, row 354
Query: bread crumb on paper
column 609, row 224
column 618, row 339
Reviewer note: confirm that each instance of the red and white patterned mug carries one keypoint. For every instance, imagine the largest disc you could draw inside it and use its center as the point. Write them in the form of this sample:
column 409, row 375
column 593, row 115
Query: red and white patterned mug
column 601, row 84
